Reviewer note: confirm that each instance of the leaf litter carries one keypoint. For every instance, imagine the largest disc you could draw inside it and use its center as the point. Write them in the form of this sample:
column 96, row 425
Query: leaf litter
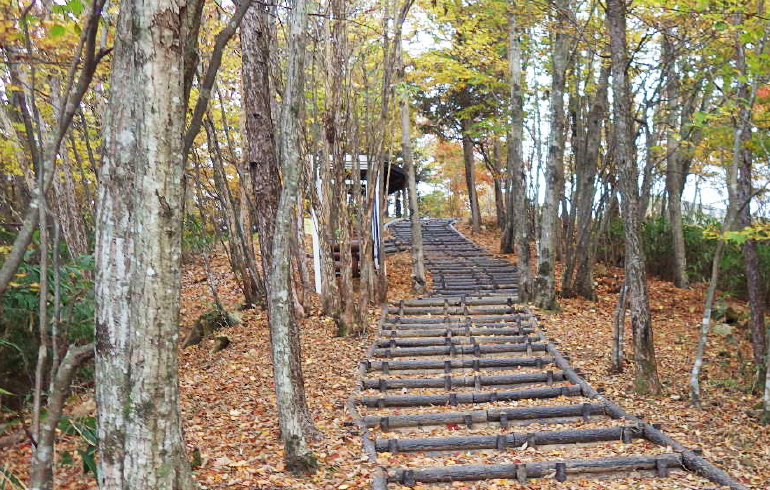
column 230, row 417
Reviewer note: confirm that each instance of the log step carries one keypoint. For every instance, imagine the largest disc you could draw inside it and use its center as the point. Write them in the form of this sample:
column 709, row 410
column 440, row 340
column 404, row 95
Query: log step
column 449, row 382
column 452, row 350
column 477, row 397
column 461, row 323
column 449, row 337
column 448, row 364
column 427, row 320
column 456, row 310
column 513, row 440
column 471, row 301
column 456, row 331
column 472, row 310
column 501, row 415
column 558, row 470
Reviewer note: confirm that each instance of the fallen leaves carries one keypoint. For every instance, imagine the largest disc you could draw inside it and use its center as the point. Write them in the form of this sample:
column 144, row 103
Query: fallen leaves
column 230, row 417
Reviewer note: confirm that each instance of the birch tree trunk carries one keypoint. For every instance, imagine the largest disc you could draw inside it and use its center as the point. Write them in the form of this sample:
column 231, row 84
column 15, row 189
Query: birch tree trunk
column 297, row 455
column 646, row 372
column 418, row 257
column 470, row 177
column 258, row 127
column 674, row 168
column 138, row 250
column 498, row 177
column 262, row 162
column 515, row 236
column 545, row 283
column 586, row 166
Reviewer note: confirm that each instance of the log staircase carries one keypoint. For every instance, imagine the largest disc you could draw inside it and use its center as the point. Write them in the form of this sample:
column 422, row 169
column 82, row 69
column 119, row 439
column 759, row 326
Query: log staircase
column 464, row 385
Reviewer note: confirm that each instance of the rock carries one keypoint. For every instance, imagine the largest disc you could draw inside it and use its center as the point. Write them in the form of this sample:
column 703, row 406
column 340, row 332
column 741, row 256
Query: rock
column 722, row 329
column 220, row 343
column 207, row 324
column 734, row 313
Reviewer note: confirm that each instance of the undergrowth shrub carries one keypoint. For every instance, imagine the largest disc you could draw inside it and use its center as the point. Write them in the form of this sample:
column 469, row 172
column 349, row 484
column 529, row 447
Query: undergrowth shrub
column 195, row 238
column 656, row 236
column 19, row 330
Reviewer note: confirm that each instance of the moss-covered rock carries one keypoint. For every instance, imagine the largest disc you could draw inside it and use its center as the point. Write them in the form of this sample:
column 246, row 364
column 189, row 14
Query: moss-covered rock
column 207, row 324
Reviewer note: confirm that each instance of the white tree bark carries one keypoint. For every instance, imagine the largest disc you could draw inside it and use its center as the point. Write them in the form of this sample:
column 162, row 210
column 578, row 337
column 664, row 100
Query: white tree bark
column 138, row 248
column 545, row 283
column 418, row 258
column 515, row 236
column 297, row 455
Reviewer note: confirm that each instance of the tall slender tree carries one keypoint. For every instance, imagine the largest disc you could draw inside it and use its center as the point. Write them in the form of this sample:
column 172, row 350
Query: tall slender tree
column 297, row 454
column 545, row 283
column 646, row 371
column 138, row 250
column 515, row 236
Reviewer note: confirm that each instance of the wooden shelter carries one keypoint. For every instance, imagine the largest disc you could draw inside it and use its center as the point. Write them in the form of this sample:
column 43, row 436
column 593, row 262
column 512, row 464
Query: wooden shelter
column 393, row 179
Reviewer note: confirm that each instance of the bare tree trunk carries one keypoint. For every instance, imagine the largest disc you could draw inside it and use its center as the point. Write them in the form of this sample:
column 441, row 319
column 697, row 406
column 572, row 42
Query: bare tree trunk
column 297, row 455
column 751, row 265
column 470, row 178
column 206, row 259
column 41, row 477
column 138, row 250
column 747, row 94
column 262, row 162
column 515, row 236
column 376, row 278
column 646, row 372
column 582, row 283
column 331, row 301
column 695, row 396
column 258, row 126
column 618, row 326
column 300, row 257
column 41, row 459
column 337, row 133
column 674, row 167
column 418, row 258
column 498, row 178
column 545, row 283
column 242, row 264
column 330, row 294
column 68, row 210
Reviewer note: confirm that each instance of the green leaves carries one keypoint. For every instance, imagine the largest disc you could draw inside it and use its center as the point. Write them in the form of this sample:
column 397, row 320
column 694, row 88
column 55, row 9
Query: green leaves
column 86, row 428
column 75, row 6
column 57, row 30
column 699, row 117
column 10, row 481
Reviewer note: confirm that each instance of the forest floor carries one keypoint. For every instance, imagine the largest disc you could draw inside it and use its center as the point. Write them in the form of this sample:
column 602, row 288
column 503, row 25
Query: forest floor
column 230, row 416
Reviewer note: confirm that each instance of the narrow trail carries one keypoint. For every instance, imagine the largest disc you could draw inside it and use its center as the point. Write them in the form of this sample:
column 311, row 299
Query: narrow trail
column 463, row 384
